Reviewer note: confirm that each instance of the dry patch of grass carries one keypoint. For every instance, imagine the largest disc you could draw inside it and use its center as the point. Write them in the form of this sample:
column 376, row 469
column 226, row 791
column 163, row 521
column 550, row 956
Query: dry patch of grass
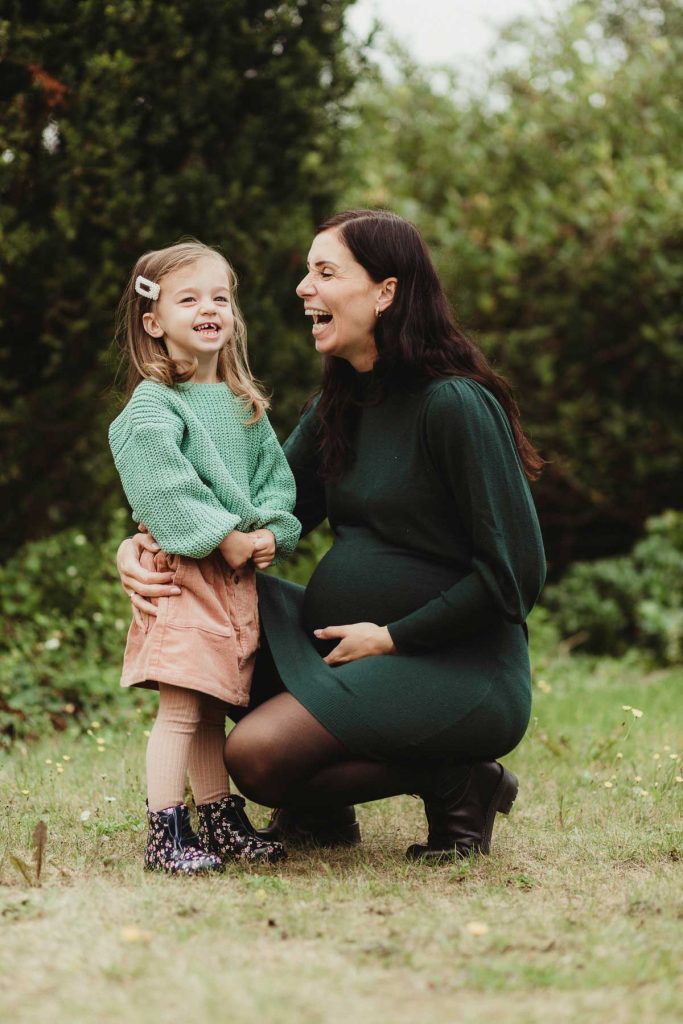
column 577, row 915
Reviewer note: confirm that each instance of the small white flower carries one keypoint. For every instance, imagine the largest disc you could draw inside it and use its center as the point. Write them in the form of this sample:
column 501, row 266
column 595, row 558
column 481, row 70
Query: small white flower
column 52, row 643
column 80, row 540
column 71, row 571
column 84, row 815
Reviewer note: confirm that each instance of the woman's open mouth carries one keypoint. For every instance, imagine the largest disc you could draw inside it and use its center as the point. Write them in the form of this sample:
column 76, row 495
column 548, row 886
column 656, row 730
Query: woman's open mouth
column 321, row 318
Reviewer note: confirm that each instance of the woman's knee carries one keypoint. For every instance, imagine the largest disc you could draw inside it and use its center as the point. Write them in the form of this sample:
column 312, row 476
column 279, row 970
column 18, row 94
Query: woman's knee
column 252, row 761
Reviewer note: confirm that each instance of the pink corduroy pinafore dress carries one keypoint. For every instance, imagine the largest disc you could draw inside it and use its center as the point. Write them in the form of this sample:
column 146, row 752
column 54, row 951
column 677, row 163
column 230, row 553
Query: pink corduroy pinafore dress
column 205, row 638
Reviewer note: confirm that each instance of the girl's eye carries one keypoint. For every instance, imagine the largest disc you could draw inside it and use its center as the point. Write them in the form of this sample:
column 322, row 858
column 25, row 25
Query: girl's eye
column 188, row 298
column 222, row 298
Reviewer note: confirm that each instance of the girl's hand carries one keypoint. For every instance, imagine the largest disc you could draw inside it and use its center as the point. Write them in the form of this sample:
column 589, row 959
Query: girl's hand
column 264, row 548
column 237, row 548
column 140, row 583
column 359, row 640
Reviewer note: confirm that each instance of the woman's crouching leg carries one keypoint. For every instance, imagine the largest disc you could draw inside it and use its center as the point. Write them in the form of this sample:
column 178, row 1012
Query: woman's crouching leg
column 276, row 748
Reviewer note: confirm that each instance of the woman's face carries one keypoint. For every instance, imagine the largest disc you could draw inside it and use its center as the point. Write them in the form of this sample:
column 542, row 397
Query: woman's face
column 341, row 298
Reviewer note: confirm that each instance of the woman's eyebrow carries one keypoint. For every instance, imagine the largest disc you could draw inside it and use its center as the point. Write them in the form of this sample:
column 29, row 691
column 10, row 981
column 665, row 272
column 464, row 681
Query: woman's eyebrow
column 322, row 263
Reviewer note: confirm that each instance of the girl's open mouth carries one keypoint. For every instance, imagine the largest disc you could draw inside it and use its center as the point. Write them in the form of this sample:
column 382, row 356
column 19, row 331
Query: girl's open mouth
column 208, row 329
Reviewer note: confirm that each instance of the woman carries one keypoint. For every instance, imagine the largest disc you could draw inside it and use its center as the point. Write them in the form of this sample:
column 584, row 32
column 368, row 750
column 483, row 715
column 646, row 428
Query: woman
column 403, row 666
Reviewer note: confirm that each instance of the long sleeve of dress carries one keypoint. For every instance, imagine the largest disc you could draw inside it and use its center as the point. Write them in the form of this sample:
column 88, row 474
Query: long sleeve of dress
column 469, row 439
column 303, row 458
column 161, row 484
column 273, row 492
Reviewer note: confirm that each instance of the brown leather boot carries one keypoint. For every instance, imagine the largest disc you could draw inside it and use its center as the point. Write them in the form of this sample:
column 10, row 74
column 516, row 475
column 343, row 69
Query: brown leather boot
column 461, row 806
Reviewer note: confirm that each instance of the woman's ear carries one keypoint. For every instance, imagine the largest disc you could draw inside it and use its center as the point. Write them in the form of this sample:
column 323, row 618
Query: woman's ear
column 387, row 293
column 152, row 325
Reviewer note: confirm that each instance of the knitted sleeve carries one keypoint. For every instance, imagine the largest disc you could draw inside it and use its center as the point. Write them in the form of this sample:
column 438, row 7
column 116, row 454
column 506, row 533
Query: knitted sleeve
column 161, row 484
column 273, row 492
column 469, row 439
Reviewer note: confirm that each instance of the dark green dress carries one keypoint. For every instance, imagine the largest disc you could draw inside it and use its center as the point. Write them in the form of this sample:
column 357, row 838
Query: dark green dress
column 436, row 536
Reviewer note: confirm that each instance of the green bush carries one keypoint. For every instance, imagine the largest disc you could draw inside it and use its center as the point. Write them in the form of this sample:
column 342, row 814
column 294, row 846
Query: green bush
column 612, row 604
column 64, row 623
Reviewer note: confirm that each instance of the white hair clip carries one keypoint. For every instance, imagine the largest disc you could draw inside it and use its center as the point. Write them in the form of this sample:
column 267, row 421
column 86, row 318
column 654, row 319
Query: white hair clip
column 148, row 289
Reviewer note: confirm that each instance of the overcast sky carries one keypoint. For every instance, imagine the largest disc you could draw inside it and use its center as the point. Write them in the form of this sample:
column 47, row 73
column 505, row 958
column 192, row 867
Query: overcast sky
column 444, row 31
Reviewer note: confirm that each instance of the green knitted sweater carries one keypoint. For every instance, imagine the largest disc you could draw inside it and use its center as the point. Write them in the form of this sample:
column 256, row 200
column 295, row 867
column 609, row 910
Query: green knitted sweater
column 193, row 469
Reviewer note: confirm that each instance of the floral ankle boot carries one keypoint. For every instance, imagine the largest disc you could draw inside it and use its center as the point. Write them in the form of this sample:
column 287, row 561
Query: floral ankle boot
column 172, row 846
column 225, row 830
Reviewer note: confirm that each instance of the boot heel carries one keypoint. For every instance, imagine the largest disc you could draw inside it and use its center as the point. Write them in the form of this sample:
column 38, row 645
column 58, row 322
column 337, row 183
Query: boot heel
column 509, row 787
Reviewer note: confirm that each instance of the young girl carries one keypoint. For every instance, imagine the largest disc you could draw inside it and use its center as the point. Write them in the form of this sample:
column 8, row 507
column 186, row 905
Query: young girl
column 203, row 470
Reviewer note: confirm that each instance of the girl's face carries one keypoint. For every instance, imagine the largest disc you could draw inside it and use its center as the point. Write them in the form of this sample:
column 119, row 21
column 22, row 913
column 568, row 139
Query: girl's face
column 342, row 299
column 193, row 314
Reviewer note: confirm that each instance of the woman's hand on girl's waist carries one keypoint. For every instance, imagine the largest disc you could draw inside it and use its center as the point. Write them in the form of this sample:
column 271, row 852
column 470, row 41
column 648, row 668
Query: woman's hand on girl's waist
column 140, row 583
column 358, row 640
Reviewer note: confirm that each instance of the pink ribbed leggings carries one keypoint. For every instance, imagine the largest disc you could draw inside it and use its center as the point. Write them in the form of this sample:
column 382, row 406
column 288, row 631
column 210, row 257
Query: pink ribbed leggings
column 188, row 736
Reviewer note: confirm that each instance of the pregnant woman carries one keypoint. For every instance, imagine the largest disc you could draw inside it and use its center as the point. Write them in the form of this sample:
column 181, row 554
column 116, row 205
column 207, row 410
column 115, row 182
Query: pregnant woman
column 402, row 667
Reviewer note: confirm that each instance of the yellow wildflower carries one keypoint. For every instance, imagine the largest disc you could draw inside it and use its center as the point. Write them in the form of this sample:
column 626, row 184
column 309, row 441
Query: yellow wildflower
column 133, row 934
column 476, row 928
column 608, row 785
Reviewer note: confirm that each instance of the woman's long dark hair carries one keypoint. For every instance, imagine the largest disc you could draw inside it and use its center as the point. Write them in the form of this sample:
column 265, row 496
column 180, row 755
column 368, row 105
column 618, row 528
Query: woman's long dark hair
column 417, row 337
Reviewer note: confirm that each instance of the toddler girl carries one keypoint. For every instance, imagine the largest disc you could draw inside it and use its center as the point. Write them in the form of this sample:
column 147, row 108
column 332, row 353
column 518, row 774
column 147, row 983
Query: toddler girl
column 203, row 470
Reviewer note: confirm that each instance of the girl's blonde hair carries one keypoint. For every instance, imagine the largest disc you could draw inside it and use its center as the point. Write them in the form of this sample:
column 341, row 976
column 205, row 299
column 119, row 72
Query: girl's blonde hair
column 148, row 358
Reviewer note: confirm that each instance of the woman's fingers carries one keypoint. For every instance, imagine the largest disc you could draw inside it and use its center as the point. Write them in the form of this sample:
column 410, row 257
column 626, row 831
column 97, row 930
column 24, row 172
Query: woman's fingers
column 339, row 655
column 137, row 615
column 151, row 585
column 138, row 602
column 146, row 540
column 331, row 632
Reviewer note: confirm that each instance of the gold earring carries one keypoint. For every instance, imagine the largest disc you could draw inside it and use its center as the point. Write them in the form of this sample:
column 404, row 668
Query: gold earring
column 378, row 312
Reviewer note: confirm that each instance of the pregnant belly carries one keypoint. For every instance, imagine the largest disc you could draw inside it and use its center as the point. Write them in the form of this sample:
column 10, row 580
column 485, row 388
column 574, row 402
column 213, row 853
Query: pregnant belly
column 362, row 579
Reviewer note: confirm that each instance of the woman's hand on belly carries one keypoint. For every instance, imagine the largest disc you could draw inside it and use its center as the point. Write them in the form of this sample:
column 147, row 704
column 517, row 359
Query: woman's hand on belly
column 358, row 640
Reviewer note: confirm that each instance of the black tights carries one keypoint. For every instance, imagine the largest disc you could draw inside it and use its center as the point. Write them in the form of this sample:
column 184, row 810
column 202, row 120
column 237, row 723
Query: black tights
column 279, row 755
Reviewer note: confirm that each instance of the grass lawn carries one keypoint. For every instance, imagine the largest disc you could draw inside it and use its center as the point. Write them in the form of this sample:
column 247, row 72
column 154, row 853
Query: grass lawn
column 576, row 916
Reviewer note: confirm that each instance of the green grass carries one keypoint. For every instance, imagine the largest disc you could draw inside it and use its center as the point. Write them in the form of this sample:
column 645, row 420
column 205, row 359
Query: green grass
column 577, row 915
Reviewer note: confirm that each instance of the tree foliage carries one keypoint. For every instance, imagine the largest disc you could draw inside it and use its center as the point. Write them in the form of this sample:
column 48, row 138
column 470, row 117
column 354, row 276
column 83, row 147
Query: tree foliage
column 126, row 125
column 553, row 204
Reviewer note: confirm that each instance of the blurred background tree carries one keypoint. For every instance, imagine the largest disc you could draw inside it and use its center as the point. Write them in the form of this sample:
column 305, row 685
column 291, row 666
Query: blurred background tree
column 553, row 205
column 126, row 125
column 551, row 200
